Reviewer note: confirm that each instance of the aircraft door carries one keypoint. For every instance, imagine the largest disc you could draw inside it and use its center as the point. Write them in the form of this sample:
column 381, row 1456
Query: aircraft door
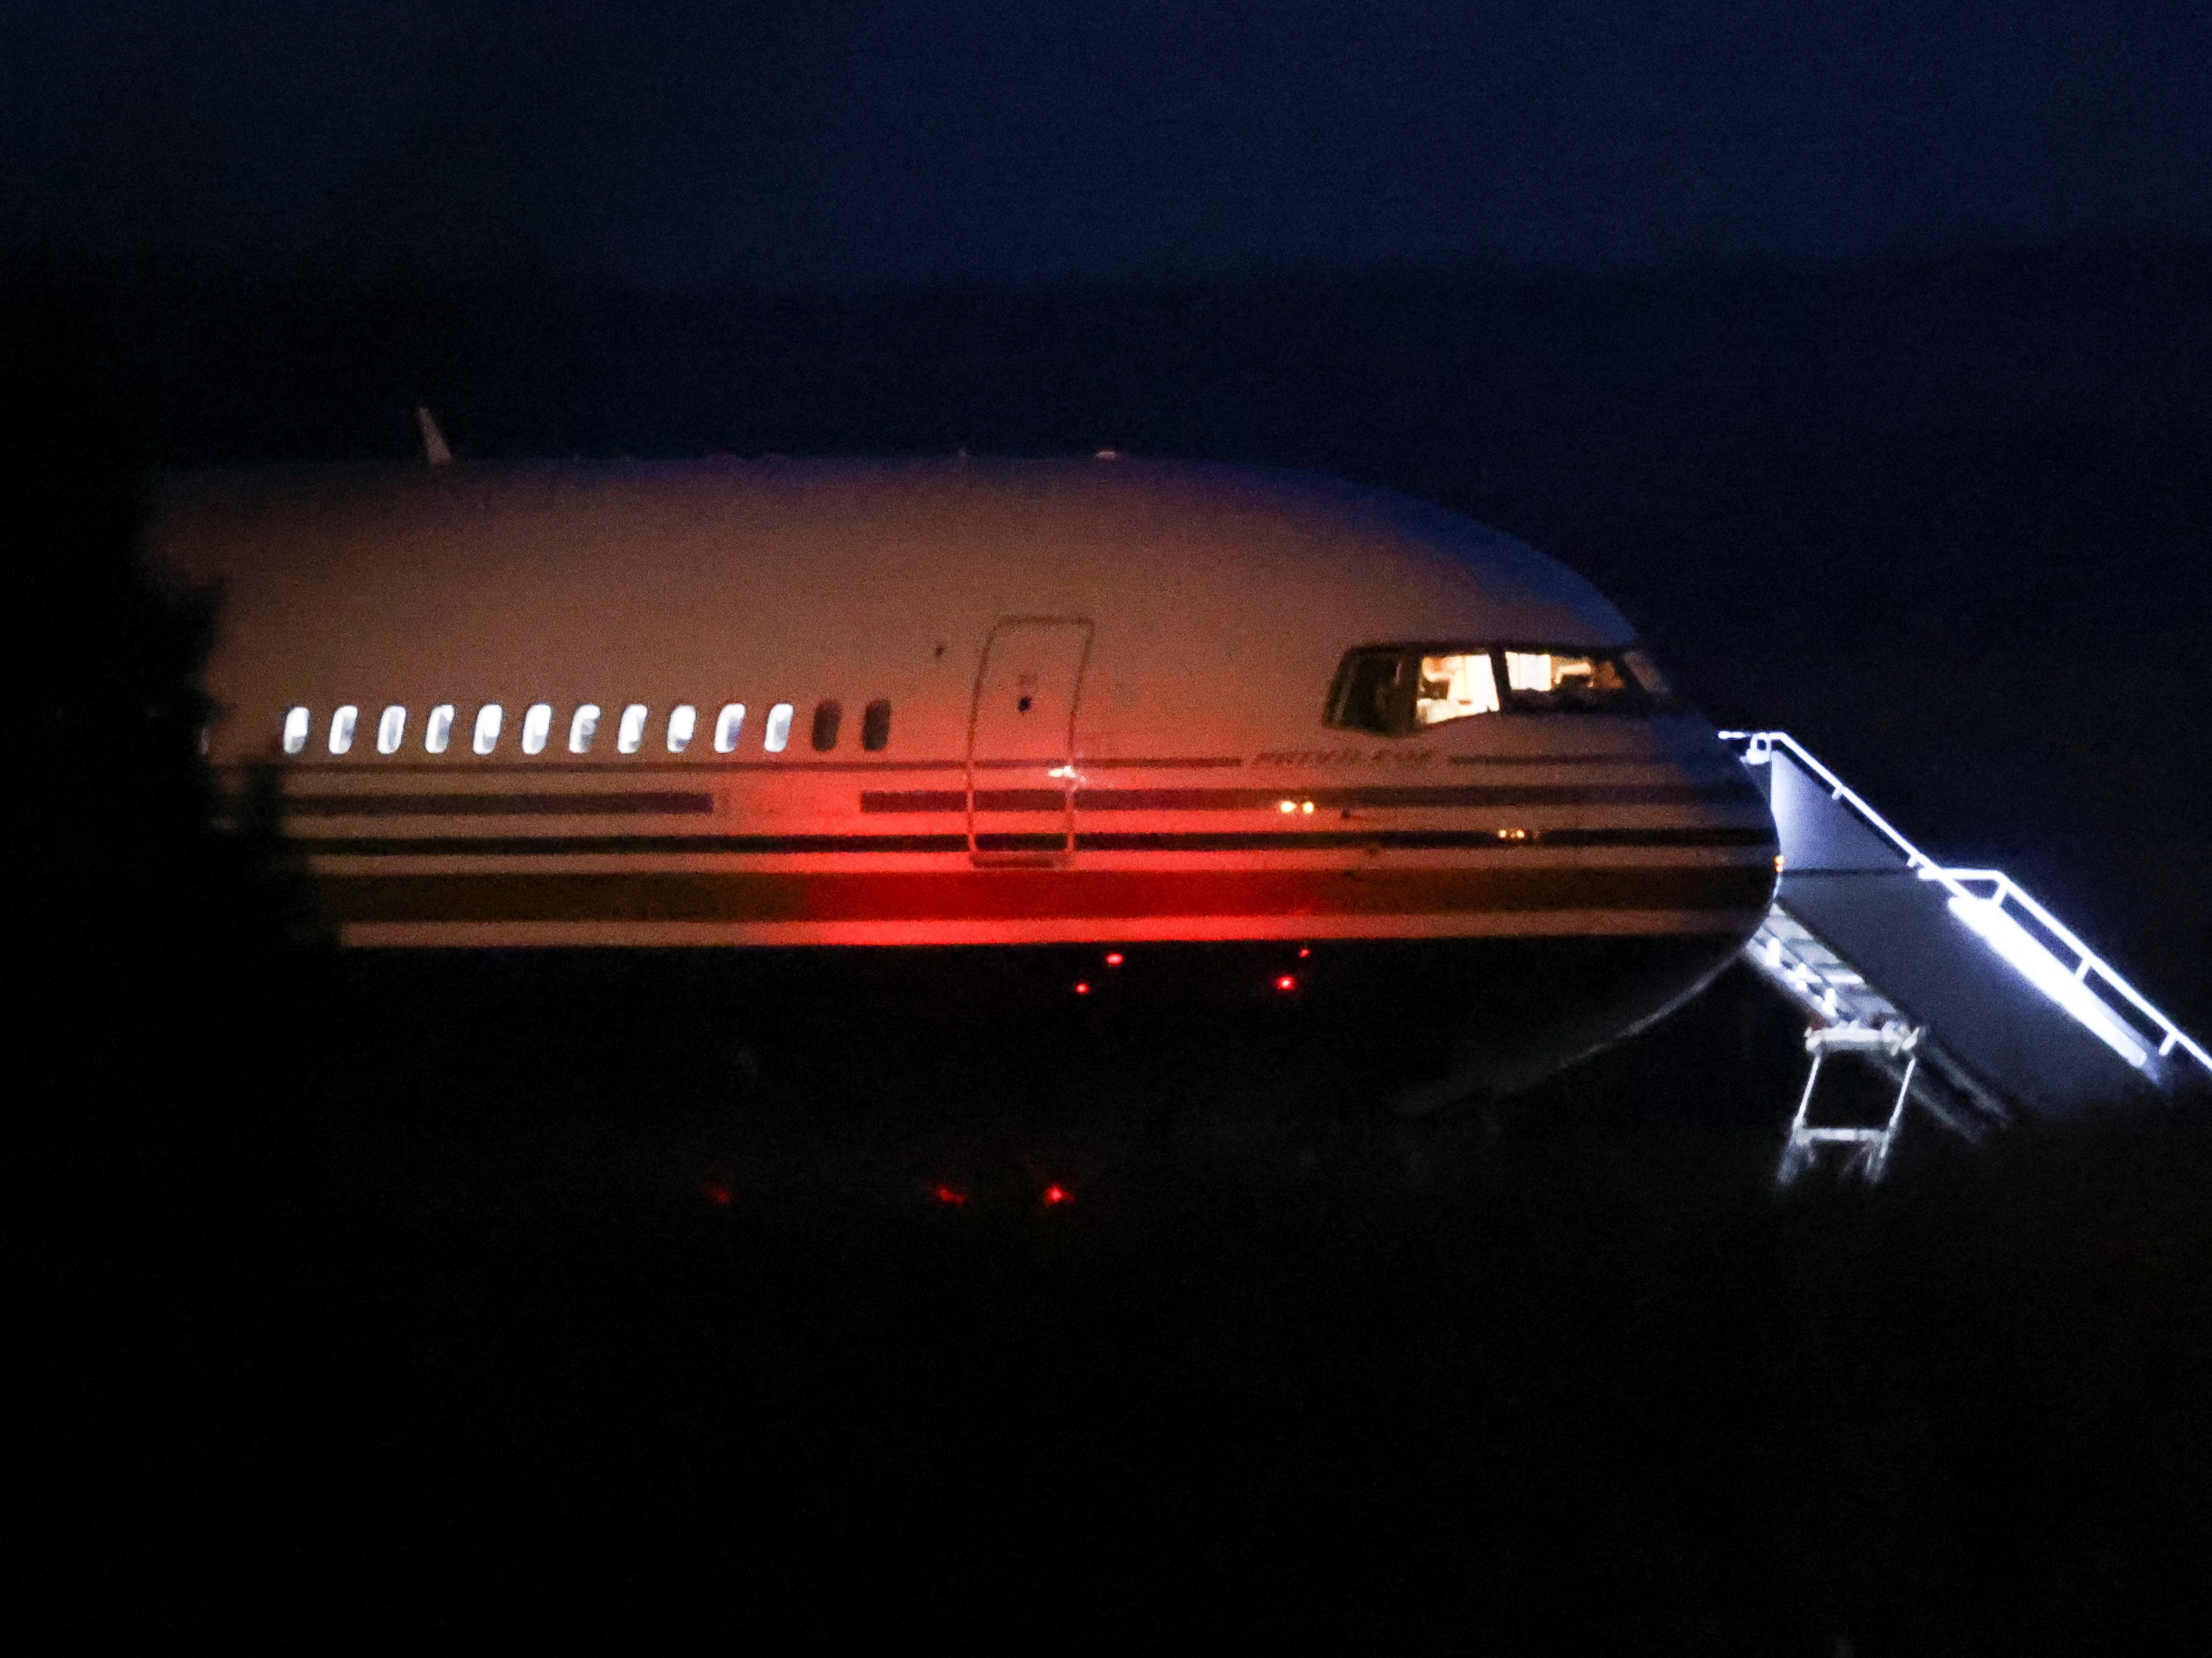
column 1021, row 741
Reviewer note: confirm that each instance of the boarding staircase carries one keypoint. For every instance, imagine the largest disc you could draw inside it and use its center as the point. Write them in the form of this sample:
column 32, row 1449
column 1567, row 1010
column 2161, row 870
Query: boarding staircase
column 1972, row 1001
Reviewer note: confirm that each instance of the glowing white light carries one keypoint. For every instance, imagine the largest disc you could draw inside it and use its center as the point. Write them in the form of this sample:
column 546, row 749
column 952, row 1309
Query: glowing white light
column 1527, row 671
column 729, row 725
column 683, row 720
column 2041, row 969
column 342, row 725
column 1759, row 748
column 778, row 728
column 629, row 736
column 440, row 730
column 391, row 730
column 487, row 723
column 537, row 726
column 295, row 729
column 1468, row 684
column 583, row 728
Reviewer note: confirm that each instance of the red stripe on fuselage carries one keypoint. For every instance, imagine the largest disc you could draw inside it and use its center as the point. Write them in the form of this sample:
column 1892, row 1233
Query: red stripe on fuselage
column 1030, row 893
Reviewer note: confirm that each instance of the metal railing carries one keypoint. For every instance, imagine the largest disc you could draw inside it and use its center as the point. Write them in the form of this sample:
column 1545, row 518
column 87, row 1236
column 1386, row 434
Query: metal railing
column 1991, row 914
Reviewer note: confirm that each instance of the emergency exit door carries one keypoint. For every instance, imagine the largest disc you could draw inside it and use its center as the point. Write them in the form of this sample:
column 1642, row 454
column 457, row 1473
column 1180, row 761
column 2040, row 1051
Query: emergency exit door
column 1021, row 740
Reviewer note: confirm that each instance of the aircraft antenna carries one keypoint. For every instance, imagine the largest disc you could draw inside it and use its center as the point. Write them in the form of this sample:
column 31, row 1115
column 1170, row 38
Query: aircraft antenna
column 433, row 441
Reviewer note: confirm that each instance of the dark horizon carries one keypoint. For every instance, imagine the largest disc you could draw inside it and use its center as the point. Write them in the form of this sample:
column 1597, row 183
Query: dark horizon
column 325, row 362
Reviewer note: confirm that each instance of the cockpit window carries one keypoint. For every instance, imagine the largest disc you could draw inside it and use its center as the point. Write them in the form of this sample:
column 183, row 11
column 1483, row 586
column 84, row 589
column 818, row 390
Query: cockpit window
column 1373, row 691
column 1453, row 686
column 1395, row 691
column 1545, row 680
column 1639, row 663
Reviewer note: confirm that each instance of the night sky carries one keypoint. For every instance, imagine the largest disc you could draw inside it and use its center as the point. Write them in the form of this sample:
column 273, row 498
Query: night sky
column 849, row 143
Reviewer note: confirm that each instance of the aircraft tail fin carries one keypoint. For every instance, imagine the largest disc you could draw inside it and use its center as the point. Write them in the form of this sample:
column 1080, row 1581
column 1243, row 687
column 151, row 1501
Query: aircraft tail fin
column 433, row 441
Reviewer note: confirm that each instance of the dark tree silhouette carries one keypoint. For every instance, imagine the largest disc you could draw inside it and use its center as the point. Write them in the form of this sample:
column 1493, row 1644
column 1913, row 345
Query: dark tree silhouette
column 160, row 1160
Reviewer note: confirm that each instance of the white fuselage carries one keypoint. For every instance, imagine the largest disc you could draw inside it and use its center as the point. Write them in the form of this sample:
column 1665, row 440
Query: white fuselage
column 1019, row 702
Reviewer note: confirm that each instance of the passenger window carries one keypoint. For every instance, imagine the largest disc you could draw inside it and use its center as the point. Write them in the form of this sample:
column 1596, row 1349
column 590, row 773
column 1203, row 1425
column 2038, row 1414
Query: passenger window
column 778, row 728
column 629, row 736
column 729, row 725
column 583, row 728
column 683, row 721
column 439, row 731
column 487, row 723
column 1454, row 687
column 829, row 714
column 876, row 726
column 295, row 729
column 537, row 726
column 391, row 730
column 342, row 725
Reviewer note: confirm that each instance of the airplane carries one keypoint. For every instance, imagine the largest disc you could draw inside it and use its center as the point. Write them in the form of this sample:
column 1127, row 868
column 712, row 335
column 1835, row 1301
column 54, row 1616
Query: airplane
column 1229, row 721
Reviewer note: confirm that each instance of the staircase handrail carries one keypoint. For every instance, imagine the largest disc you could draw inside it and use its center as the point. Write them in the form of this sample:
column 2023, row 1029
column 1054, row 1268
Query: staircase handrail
column 2087, row 963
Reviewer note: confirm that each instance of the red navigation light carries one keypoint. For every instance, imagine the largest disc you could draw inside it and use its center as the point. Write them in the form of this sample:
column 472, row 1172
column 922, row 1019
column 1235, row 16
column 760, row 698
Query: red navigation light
column 1113, row 958
column 1053, row 1195
column 1304, row 953
column 1082, row 987
column 1286, row 982
column 717, row 1194
column 951, row 1194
